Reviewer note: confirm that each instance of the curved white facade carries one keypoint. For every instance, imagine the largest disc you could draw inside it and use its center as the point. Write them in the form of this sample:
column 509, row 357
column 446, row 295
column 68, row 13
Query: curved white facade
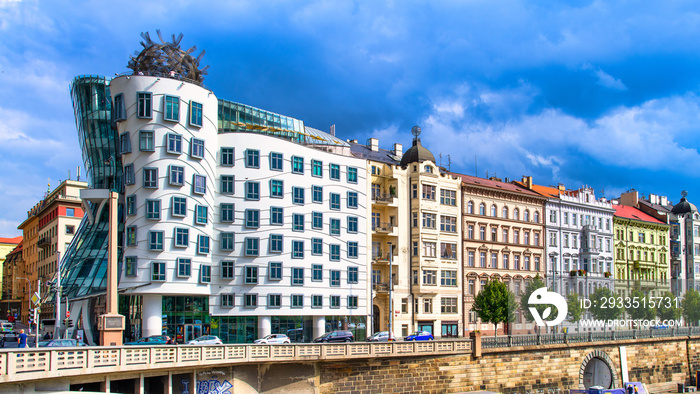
column 257, row 193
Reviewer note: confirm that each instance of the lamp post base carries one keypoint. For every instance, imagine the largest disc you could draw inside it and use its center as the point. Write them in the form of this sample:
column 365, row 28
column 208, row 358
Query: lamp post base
column 111, row 327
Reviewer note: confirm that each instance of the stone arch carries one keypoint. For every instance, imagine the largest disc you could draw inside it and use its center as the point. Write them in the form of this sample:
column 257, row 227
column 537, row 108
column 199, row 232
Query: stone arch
column 606, row 360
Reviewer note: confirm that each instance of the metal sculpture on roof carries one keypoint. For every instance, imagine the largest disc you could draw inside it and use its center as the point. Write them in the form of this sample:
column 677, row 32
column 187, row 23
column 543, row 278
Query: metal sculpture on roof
column 167, row 59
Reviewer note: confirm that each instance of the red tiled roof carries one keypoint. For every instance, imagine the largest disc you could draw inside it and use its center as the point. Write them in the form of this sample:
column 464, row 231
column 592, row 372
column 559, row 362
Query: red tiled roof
column 14, row 240
column 472, row 180
column 626, row 212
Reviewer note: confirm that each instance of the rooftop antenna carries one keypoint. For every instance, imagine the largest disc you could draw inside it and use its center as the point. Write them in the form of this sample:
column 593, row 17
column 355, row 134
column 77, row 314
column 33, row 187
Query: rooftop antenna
column 78, row 174
column 415, row 130
column 68, row 175
column 449, row 163
column 440, row 156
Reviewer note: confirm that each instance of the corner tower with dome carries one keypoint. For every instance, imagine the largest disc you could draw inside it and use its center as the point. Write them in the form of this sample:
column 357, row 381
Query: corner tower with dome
column 685, row 246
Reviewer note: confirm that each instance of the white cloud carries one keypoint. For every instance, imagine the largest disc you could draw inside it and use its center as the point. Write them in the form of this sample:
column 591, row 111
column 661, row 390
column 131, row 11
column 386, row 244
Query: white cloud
column 604, row 79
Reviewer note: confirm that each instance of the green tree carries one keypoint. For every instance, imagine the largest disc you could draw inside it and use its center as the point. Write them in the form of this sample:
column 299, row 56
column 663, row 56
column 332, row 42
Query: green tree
column 535, row 284
column 639, row 306
column 691, row 306
column 666, row 308
column 601, row 307
column 495, row 304
column 573, row 304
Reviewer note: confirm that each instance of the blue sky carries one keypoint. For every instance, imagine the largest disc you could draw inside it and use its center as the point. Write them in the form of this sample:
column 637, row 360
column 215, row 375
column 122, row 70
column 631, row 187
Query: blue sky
column 604, row 94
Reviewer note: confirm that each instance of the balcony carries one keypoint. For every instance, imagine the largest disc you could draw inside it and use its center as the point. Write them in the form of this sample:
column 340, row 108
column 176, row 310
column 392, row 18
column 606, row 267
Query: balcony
column 380, row 288
column 591, row 251
column 383, row 227
column 383, row 198
column 44, row 241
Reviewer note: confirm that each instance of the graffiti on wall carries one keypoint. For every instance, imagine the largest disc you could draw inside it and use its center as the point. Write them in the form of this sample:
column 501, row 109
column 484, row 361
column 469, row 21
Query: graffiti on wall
column 208, row 382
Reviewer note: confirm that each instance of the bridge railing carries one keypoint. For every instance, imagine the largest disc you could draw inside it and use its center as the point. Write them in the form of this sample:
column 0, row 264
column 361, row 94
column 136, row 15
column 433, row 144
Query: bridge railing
column 489, row 342
column 44, row 363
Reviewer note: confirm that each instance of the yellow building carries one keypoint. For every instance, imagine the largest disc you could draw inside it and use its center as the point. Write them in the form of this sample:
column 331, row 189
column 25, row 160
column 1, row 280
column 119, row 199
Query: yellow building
column 641, row 252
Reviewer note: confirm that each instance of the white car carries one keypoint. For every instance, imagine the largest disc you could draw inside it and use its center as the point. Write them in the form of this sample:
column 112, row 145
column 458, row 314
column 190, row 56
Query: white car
column 273, row 339
column 206, row 340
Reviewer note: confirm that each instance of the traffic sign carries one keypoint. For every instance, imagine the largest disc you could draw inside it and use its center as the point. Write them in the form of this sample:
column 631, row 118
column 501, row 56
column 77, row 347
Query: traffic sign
column 67, row 313
column 35, row 298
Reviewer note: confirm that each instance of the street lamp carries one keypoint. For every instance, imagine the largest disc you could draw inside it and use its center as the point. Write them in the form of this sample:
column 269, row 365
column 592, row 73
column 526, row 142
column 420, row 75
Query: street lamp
column 58, row 295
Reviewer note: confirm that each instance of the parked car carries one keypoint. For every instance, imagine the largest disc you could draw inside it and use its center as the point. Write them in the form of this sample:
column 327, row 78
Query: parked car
column 152, row 340
column 420, row 336
column 296, row 335
column 382, row 336
column 206, row 340
column 273, row 339
column 336, row 336
column 61, row 343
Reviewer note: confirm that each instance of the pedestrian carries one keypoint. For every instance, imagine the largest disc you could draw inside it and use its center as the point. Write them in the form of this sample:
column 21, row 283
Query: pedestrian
column 22, row 339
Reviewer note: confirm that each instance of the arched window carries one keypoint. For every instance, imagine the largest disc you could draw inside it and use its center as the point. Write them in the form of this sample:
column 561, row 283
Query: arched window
column 516, row 214
column 526, row 215
column 470, row 207
column 493, row 210
column 482, row 209
column 536, row 216
column 504, row 212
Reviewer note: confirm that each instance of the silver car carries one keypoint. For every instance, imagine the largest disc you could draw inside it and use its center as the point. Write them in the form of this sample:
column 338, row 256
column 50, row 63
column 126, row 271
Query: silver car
column 382, row 336
column 273, row 339
column 206, row 340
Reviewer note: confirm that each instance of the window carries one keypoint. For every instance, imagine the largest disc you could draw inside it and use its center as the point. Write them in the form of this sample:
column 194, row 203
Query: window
column 227, row 241
column 448, row 250
column 204, row 274
column 184, row 268
column 297, row 249
column 429, row 249
column 146, row 141
column 526, row 238
column 352, row 302
column 297, row 165
column 427, row 305
column 335, row 252
column 118, row 109
column 124, row 143
column 252, row 158
column 172, row 108
column 494, row 210
column 131, row 205
column 429, row 192
column 276, row 160
column 202, row 244
column 317, row 220
column 352, row 224
column 195, row 114
column 252, row 218
column 553, row 216
column 252, row 246
column 297, row 301
column 228, row 184
column 536, row 217
column 150, row 178
column 316, row 246
column 182, row 237
column 298, row 195
column 429, row 277
column 274, row 271
column 227, row 211
column 482, row 209
column 153, row 209
column 274, row 300
column 297, row 276
column 470, row 258
column 298, row 222
column 335, row 201
column 179, row 206
column 276, row 188
column 251, row 300
column 335, row 172
column 227, row 301
column 201, row 213
column 526, row 215
column 516, row 214
column 251, row 275
column 129, row 177
column 504, row 212
column 353, row 275
column 200, row 184
column 177, row 175
column 506, row 262
column 352, row 175
column 448, row 197
column 352, row 199
column 352, row 250
column 482, row 259
column 448, row 305
column 335, row 302
column 275, row 243
column 335, row 226
column 70, row 229
column 174, row 143
column 158, row 271
column 252, row 191
column 276, row 216
column 317, row 194
column 316, row 272
column 470, row 207
column 316, row 301
column 335, row 278
column 448, row 224
column 316, row 168
column 131, row 236
column 448, row 278
column 429, row 220
column 197, row 148
column 131, row 265
column 227, row 156
column 143, row 104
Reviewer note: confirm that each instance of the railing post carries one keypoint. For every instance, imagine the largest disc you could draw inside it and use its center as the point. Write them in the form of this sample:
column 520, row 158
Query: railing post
column 590, row 336
column 510, row 340
column 634, row 333
column 613, row 334
column 539, row 339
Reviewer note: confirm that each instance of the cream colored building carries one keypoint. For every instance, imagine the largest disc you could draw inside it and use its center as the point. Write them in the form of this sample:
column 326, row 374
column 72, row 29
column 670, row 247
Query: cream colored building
column 503, row 233
column 6, row 246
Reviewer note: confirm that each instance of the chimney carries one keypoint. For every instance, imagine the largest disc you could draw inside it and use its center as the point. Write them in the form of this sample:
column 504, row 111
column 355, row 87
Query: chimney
column 561, row 187
column 398, row 150
column 333, row 130
column 373, row 144
column 495, row 178
column 630, row 199
column 527, row 180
